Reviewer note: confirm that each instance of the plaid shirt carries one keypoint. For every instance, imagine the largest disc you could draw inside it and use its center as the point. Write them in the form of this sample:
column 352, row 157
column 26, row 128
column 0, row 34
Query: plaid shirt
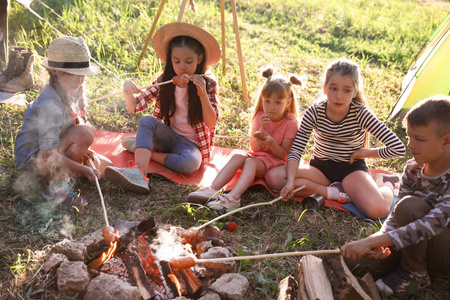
column 205, row 135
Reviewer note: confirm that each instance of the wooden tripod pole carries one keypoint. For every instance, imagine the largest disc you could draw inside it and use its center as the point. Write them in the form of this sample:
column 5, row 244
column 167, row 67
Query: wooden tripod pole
column 238, row 46
column 183, row 7
column 222, row 18
column 152, row 30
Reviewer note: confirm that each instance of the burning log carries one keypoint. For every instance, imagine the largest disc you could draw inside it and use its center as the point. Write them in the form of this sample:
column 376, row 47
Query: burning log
column 133, row 264
column 144, row 226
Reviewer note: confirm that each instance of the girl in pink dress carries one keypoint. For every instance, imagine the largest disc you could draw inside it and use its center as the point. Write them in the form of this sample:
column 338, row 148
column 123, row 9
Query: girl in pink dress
column 274, row 125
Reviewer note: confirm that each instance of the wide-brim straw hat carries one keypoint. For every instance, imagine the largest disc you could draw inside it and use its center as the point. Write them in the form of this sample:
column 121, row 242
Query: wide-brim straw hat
column 166, row 33
column 71, row 55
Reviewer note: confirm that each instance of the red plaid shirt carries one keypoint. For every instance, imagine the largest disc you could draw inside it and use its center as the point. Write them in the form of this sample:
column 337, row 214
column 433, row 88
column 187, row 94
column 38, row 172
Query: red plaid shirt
column 205, row 135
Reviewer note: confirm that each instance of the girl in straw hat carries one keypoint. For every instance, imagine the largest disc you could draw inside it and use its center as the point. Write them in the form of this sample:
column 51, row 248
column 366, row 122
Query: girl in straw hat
column 185, row 113
column 52, row 139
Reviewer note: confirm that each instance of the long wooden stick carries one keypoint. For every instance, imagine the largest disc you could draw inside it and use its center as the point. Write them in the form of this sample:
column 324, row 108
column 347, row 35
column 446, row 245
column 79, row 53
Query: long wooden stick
column 100, row 193
column 297, row 253
column 248, row 206
column 183, row 7
column 141, row 88
column 121, row 92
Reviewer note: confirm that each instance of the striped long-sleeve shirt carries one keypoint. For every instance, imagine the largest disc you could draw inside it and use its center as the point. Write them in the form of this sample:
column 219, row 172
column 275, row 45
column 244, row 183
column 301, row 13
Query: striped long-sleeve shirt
column 337, row 141
column 435, row 191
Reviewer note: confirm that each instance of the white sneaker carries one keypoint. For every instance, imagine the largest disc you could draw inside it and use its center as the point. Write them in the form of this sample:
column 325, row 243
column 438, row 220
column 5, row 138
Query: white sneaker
column 393, row 181
column 128, row 143
column 203, row 195
column 224, row 201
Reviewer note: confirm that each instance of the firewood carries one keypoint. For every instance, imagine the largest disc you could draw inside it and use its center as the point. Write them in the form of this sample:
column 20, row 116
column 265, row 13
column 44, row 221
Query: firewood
column 316, row 280
column 288, row 288
column 372, row 289
column 345, row 285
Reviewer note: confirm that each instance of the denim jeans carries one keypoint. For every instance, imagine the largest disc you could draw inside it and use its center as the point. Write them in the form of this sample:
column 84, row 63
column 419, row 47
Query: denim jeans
column 183, row 155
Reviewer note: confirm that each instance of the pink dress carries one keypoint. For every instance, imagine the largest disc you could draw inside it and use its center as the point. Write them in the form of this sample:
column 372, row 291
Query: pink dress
column 285, row 128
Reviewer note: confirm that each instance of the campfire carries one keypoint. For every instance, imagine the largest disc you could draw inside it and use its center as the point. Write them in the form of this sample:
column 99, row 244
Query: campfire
column 137, row 263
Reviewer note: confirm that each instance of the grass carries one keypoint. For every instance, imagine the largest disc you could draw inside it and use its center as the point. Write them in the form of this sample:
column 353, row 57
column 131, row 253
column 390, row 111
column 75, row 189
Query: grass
column 299, row 37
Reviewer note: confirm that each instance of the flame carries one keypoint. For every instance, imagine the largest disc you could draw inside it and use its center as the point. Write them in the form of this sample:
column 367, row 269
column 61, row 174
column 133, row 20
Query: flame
column 104, row 257
column 176, row 282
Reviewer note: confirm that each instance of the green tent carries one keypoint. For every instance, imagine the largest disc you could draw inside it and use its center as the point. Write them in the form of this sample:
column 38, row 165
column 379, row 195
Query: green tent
column 430, row 74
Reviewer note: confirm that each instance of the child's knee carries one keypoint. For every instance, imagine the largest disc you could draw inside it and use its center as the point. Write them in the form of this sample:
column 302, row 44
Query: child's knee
column 276, row 178
column 409, row 209
column 147, row 121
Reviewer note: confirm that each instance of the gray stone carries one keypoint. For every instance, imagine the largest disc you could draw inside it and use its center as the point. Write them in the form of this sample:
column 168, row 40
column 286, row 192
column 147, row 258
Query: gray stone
column 230, row 286
column 210, row 296
column 74, row 251
column 72, row 278
column 217, row 269
column 203, row 247
column 110, row 287
column 53, row 261
column 93, row 241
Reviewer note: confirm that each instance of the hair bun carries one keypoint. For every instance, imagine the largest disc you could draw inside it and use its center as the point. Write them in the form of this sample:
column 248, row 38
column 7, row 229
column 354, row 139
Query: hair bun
column 295, row 80
column 267, row 73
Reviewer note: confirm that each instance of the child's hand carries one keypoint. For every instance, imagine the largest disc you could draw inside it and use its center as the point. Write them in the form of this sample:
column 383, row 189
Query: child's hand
column 359, row 154
column 287, row 191
column 130, row 88
column 359, row 248
column 200, row 83
column 264, row 120
column 91, row 173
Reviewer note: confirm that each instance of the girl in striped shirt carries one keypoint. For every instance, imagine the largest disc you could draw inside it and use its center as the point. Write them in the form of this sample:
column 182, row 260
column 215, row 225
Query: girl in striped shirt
column 341, row 124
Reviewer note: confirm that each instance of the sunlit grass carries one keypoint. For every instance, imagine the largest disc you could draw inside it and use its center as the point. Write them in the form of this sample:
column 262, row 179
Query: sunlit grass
column 293, row 36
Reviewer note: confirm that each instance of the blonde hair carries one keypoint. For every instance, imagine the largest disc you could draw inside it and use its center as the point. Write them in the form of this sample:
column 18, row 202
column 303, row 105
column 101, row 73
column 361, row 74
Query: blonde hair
column 346, row 67
column 279, row 87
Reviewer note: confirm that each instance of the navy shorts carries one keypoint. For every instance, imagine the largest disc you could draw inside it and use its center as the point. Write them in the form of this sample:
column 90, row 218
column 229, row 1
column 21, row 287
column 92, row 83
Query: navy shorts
column 336, row 170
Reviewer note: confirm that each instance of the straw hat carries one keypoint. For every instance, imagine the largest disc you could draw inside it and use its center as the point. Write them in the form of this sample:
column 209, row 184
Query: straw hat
column 71, row 55
column 166, row 33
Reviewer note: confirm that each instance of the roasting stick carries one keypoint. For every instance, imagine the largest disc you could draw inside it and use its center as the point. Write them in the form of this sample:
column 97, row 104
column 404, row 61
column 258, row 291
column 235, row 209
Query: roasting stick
column 192, row 232
column 108, row 231
column 141, row 88
column 189, row 261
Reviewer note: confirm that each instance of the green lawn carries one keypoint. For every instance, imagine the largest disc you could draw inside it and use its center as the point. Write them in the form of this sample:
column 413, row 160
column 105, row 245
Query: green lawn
column 299, row 37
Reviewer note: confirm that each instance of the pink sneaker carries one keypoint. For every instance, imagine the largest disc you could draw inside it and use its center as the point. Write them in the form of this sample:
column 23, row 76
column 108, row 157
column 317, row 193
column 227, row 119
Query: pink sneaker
column 224, row 201
column 203, row 195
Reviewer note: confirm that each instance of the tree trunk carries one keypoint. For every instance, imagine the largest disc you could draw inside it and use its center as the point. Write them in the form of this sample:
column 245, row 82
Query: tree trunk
column 4, row 4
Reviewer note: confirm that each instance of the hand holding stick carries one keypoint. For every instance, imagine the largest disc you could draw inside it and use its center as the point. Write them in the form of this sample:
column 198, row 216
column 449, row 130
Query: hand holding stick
column 189, row 261
column 192, row 232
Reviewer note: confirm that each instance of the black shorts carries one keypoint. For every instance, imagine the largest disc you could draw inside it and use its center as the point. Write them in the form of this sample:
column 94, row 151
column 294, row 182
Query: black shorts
column 337, row 171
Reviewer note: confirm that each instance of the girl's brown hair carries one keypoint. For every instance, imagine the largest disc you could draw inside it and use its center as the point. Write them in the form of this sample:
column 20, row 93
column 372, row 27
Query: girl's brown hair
column 346, row 67
column 280, row 88
column 167, row 91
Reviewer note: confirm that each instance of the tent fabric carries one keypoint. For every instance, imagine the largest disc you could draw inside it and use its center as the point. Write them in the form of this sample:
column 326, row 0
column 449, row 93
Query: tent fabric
column 429, row 76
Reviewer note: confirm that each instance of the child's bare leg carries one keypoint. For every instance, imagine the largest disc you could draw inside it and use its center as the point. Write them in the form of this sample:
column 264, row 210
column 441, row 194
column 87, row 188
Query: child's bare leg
column 73, row 144
column 142, row 157
column 227, row 173
column 253, row 167
column 76, row 141
column 366, row 195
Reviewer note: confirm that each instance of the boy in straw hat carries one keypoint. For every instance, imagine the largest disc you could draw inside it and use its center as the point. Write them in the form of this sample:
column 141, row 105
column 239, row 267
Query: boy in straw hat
column 52, row 140
column 185, row 113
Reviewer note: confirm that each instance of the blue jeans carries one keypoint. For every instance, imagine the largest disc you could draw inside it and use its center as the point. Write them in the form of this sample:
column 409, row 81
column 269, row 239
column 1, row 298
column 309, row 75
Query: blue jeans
column 183, row 155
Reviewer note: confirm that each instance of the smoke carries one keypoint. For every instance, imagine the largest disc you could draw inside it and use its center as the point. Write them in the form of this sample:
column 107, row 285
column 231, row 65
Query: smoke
column 167, row 244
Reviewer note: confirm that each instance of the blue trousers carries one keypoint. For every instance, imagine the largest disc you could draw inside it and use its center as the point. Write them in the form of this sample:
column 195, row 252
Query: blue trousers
column 183, row 155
